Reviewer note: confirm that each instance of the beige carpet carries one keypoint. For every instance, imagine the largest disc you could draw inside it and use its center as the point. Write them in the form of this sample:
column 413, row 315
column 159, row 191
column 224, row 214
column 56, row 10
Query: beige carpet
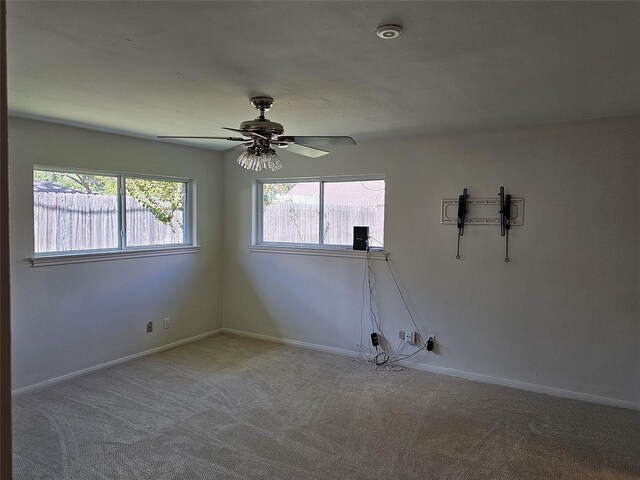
column 235, row 408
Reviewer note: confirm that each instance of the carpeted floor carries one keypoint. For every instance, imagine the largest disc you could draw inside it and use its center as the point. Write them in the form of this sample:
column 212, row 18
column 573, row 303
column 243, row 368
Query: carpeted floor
column 235, row 408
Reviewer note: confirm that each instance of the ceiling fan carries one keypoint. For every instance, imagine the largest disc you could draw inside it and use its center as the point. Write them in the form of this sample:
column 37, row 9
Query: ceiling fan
column 261, row 135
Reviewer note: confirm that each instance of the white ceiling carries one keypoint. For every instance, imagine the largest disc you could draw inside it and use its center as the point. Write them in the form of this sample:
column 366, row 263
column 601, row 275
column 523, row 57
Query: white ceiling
column 150, row 68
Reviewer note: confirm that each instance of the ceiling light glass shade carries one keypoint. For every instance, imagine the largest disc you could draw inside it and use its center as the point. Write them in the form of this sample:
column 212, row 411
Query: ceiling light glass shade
column 259, row 159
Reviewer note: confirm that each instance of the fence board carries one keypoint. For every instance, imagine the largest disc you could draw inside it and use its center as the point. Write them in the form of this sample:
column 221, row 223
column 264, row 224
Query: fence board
column 299, row 223
column 77, row 221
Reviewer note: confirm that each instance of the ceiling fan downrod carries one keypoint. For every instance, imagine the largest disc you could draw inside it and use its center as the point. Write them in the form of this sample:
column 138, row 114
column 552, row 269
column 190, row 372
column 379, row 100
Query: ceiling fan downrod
column 262, row 104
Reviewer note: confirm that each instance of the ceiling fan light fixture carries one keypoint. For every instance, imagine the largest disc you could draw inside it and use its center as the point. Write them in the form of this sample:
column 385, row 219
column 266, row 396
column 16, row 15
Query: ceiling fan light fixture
column 258, row 159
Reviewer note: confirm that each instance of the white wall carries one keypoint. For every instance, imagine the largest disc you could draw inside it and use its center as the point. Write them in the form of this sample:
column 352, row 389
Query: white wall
column 564, row 313
column 70, row 317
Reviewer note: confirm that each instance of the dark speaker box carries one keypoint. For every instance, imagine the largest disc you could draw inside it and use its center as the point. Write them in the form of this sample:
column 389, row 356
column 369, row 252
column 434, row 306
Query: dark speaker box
column 360, row 238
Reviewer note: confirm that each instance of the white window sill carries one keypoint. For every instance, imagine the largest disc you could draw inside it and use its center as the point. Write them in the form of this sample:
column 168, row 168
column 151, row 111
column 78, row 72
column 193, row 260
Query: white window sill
column 67, row 258
column 317, row 251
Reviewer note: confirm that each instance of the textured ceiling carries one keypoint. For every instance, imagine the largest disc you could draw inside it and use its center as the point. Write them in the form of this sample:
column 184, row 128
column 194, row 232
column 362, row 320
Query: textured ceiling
column 150, row 68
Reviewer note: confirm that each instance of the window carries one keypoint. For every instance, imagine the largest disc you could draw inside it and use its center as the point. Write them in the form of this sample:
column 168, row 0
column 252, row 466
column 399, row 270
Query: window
column 289, row 211
column 77, row 211
column 155, row 212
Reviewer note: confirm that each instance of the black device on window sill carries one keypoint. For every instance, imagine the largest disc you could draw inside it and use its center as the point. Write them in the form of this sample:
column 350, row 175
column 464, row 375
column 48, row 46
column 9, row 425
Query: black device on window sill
column 360, row 238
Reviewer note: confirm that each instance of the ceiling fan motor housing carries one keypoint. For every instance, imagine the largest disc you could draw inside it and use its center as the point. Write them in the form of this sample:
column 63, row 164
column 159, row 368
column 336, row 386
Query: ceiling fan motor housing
column 262, row 126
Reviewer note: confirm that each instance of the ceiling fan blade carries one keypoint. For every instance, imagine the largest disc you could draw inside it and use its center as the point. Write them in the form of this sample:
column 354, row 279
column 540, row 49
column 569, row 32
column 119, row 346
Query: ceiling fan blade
column 238, row 147
column 318, row 141
column 233, row 139
column 248, row 134
column 306, row 151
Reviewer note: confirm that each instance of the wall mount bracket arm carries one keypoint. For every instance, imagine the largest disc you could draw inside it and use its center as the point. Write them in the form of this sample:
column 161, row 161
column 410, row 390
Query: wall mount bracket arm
column 462, row 212
column 505, row 220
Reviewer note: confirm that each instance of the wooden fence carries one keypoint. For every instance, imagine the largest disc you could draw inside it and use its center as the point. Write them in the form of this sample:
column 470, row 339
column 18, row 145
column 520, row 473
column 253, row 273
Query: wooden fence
column 78, row 221
column 299, row 223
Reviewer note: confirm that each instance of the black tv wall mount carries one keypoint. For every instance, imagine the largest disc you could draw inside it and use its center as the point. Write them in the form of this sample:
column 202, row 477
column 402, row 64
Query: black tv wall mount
column 504, row 211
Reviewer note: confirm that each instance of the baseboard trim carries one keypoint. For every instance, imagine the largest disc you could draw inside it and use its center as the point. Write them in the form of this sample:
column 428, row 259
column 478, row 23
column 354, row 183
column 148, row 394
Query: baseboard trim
column 69, row 376
column 286, row 341
column 475, row 377
column 531, row 387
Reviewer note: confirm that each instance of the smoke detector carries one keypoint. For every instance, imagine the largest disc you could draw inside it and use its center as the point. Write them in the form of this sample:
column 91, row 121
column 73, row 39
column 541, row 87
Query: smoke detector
column 387, row 32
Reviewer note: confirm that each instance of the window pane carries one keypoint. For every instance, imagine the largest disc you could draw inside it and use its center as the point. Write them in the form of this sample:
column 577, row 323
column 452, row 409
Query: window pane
column 74, row 211
column 155, row 212
column 347, row 204
column 291, row 212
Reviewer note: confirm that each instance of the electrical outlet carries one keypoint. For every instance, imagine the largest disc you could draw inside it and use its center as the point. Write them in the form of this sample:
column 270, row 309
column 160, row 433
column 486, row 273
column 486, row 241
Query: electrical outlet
column 167, row 322
column 149, row 327
column 410, row 336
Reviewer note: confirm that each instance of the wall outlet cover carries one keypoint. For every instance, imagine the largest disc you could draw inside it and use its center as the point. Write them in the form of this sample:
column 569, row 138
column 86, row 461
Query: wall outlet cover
column 410, row 336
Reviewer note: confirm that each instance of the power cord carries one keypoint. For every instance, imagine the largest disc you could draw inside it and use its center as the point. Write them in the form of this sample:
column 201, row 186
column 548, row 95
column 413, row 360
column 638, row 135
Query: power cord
column 382, row 358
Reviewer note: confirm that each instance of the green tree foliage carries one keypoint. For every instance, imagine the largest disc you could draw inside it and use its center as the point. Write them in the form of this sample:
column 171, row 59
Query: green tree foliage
column 162, row 198
column 271, row 191
column 92, row 184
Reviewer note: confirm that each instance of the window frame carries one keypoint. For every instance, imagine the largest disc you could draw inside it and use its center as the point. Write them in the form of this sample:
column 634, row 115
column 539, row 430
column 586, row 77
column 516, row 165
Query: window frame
column 258, row 203
column 123, row 250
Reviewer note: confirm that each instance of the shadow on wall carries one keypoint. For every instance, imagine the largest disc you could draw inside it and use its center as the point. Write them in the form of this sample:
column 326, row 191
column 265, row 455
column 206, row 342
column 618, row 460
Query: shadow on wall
column 205, row 314
column 303, row 297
